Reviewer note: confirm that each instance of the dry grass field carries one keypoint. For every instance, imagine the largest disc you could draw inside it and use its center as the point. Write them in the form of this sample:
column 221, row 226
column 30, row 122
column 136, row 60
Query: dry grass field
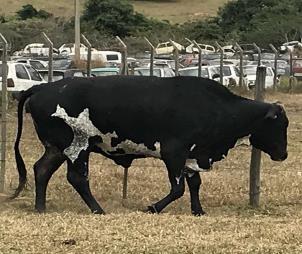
column 174, row 11
column 230, row 225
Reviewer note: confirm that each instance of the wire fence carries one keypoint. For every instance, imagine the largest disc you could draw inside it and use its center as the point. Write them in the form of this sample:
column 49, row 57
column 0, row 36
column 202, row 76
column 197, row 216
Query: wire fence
column 32, row 148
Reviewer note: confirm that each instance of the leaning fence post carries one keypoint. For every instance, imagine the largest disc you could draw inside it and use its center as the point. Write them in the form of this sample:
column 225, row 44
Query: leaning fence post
column 291, row 69
column 88, row 44
column 275, row 64
column 259, row 53
column 50, row 56
column 176, row 55
column 199, row 57
column 221, row 62
column 256, row 153
column 124, row 70
column 240, row 64
column 199, row 54
column 152, row 50
column 4, row 109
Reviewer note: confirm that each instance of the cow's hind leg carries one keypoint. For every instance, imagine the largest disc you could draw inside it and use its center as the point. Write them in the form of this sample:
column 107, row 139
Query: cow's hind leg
column 77, row 176
column 175, row 162
column 194, row 182
column 44, row 168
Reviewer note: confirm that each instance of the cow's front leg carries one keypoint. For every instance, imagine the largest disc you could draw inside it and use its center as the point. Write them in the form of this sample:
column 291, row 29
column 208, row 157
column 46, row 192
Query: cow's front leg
column 194, row 182
column 77, row 176
column 175, row 162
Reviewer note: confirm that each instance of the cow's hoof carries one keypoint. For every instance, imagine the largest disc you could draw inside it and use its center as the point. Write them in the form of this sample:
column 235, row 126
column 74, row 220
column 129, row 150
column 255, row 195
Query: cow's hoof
column 101, row 212
column 151, row 209
column 199, row 213
column 40, row 209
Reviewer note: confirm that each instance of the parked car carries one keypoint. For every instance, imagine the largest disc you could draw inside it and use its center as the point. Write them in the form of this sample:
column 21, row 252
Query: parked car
column 37, row 64
column 159, row 72
column 69, row 48
column 205, row 48
column 166, row 48
column 20, row 76
column 228, row 50
column 210, row 72
column 60, row 74
column 105, row 71
column 35, row 49
column 282, row 66
column 231, row 75
column 161, row 63
column 289, row 46
column 297, row 69
column 248, row 48
column 110, row 57
column 250, row 72
column 62, row 64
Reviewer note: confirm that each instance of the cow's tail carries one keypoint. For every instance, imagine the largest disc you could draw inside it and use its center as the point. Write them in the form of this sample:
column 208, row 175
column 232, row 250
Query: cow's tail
column 19, row 160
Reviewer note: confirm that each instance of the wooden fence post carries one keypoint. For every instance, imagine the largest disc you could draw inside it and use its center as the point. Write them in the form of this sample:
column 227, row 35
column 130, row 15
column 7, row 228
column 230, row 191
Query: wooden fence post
column 256, row 153
column 199, row 54
column 221, row 62
column 50, row 56
column 124, row 70
column 4, row 111
column 152, row 48
column 275, row 65
column 240, row 65
column 88, row 44
column 176, row 56
column 259, row 53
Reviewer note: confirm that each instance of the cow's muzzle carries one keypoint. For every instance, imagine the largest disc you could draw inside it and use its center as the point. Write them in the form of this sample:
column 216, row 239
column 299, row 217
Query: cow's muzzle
column 280, row 157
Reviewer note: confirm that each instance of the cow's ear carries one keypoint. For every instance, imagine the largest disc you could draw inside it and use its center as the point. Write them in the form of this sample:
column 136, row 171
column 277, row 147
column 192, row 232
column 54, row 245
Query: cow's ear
column 273, row 112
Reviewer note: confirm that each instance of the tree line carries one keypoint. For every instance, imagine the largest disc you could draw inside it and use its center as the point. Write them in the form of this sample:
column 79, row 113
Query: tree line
column 260, row 21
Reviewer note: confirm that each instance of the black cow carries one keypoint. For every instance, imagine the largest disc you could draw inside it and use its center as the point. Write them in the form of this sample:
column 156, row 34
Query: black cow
column 187, row 122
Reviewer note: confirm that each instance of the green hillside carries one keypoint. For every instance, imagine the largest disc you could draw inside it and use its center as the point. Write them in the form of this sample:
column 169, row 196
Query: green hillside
column 177, row 11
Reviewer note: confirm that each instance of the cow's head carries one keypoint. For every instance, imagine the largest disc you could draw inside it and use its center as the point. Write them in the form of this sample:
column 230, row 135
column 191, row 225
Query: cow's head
column 270, row 136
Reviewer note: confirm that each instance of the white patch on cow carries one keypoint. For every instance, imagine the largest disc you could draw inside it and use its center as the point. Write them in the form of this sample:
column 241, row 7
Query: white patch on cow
column 83, row 129
column 132, row 148
column 62, row 88
column 192, row 164
column 177, row 179
column 192, row 147
column 191, row 174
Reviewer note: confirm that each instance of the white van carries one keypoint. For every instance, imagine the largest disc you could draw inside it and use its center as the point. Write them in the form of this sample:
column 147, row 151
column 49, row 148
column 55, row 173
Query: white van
column 110, row 57
column 68, row 49
column 20, row 76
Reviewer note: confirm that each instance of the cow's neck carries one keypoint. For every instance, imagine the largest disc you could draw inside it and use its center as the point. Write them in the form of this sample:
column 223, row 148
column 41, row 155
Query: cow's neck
column 250, row 115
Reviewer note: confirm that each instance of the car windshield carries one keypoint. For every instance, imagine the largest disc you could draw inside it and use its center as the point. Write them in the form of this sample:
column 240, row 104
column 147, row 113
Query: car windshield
column 146, row 72
column 104, row 73
column 250, row 70
column 34, row 75
column 281, row 64
column 61, row 64
column 37, row 65
column 226, row 70
column 193, row 72
column 112, row 57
